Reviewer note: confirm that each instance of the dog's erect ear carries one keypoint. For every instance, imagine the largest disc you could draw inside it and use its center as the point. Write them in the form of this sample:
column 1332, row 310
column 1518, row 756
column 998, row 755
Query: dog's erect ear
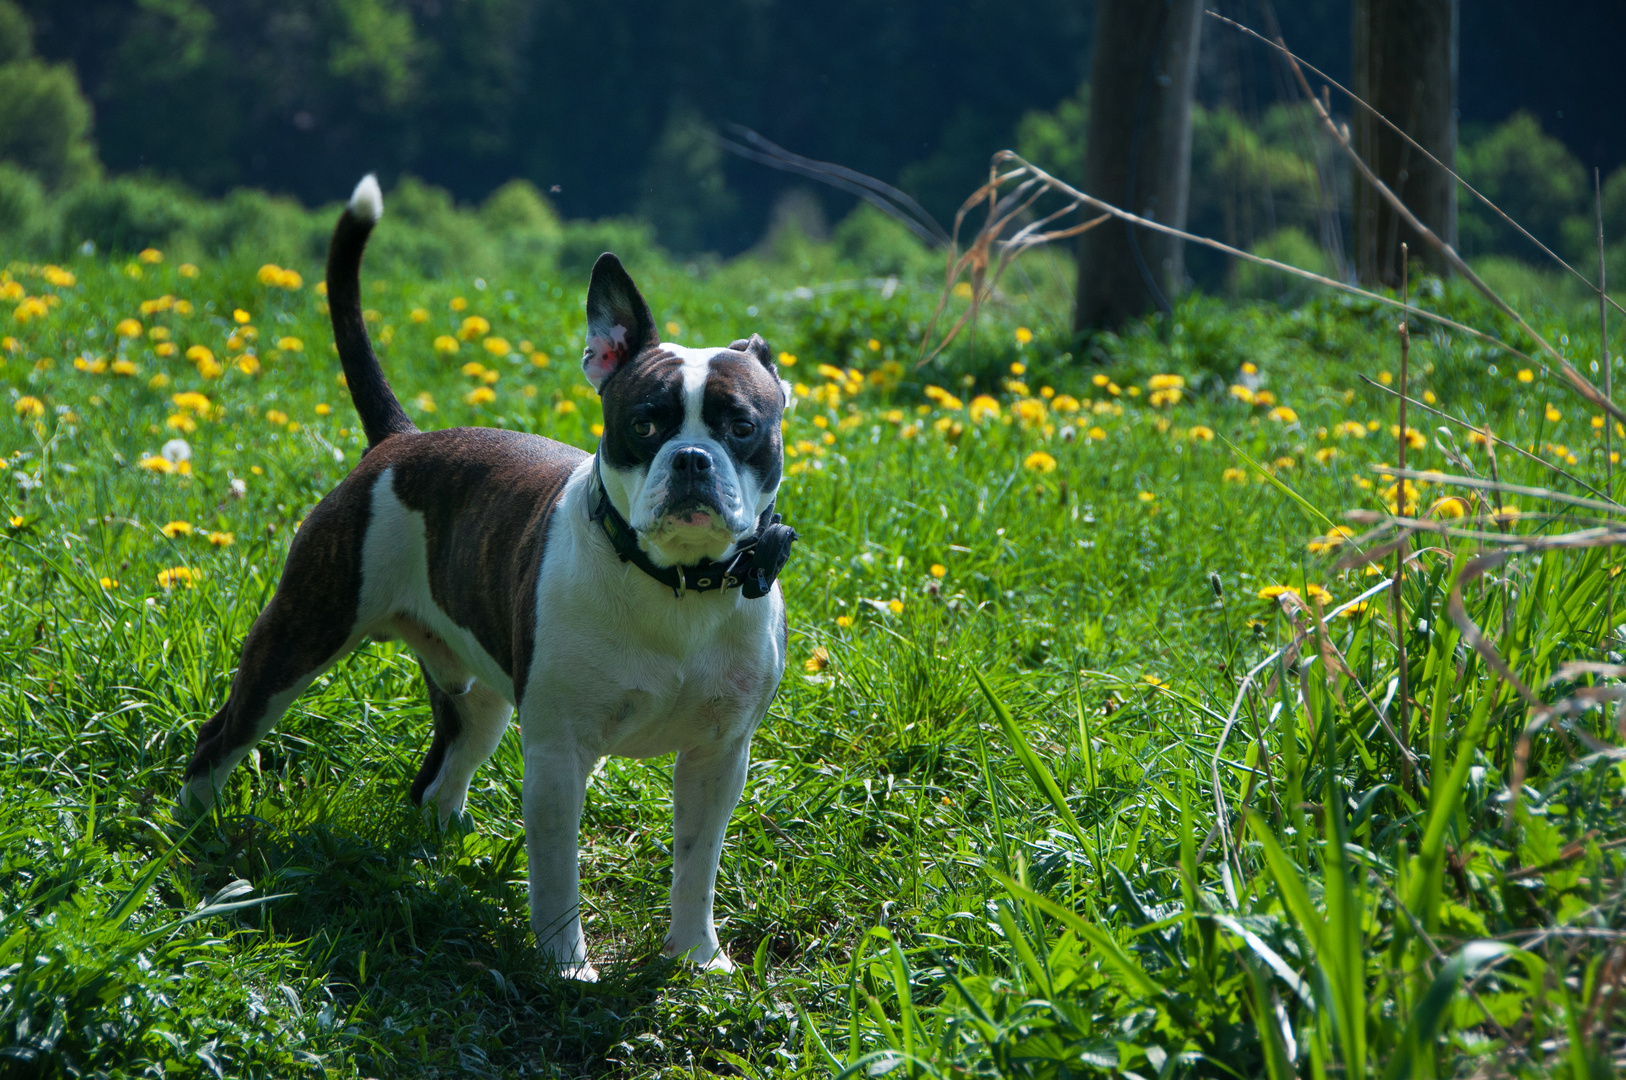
column 755, row 346
column 619, row 325
column 758, row 348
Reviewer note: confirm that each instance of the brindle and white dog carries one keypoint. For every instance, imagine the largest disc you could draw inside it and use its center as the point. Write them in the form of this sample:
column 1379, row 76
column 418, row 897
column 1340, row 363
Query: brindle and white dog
column 623, row 602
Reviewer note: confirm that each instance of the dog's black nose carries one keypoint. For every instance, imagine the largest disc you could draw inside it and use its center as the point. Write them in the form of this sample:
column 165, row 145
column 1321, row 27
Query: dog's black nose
column 691, row 461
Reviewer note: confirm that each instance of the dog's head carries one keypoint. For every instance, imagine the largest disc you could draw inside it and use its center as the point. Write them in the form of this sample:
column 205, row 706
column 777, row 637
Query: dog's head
column 691, row 453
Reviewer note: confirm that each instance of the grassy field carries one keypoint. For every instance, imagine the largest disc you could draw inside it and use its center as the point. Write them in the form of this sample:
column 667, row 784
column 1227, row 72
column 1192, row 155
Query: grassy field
column 1009, row 814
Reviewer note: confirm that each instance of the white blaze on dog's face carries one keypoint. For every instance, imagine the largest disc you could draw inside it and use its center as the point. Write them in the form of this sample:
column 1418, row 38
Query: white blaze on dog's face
column 691, row 453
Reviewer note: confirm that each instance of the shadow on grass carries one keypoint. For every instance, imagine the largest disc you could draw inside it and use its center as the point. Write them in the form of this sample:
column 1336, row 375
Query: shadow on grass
column 418, row 938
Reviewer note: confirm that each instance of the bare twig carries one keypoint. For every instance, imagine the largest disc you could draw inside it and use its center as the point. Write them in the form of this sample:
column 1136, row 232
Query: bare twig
column 976, row 259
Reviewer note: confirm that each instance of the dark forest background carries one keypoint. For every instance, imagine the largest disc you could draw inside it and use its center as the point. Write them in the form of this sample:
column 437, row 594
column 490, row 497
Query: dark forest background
column 116, row 114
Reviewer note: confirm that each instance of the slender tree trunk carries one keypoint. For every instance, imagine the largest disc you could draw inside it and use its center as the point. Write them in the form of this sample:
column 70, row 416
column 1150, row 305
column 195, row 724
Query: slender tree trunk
column 1405, row 66
column 1143, row 68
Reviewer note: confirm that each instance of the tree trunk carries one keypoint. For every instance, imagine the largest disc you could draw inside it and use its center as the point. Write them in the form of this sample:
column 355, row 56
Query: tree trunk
column 1143, row 68
column 1405, row 66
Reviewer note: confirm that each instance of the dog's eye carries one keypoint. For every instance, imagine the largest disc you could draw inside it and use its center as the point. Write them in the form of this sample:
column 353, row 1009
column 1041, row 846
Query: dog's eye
column 643, row 428
column 742, row 429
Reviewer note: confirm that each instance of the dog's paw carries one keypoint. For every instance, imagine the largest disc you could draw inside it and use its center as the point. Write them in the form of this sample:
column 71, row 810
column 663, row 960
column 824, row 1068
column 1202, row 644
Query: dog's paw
column 706, row 957
column 582, row 972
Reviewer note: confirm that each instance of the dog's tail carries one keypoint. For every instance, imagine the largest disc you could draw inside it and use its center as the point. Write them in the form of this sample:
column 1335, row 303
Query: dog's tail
column 381, row 414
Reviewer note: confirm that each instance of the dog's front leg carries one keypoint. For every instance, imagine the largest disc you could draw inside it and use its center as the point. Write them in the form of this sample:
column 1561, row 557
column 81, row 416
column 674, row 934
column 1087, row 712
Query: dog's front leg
column 706, row 786
column 554, row 787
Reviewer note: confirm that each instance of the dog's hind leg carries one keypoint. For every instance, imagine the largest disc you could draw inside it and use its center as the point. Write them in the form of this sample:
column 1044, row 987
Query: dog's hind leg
column 285, row 651
column 314, row 620
column 468, row 727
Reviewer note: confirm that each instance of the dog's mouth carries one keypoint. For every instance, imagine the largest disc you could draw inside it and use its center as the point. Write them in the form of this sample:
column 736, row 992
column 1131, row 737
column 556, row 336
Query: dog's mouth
column 690, row 517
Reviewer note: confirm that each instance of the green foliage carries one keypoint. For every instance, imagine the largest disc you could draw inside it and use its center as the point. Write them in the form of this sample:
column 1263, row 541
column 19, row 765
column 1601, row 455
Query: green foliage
column 882, row 245
column 1056, row 140
column 128, row 214
column 45, row 122
column 24, row 218
column 16, row 34
column 523, row 219
column 1534, row 179
column 686, row 198
column 1290, row 245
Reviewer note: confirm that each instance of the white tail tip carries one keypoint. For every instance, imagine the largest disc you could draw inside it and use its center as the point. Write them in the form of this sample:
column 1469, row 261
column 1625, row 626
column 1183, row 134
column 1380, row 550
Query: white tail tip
column 367, row 201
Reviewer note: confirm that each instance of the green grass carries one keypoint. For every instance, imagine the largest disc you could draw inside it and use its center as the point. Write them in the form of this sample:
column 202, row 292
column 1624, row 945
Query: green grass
column 981, row 833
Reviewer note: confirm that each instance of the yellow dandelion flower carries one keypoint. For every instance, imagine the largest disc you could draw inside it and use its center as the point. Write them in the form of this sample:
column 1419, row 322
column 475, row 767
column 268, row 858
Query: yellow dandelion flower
column 151, row 255
column 276, row 417
column 166, row 348
column 474, row 327
column 270, row 274
column 323, row 408
column 1526, row 375
column 241, row 317
column 1391, row 498
column 418, row 315
column 1452, row 506
column 153, row 463
column 1023, row 336
column 199, row 353
column 1234, row 475
column 187, row 270
column 425, row 401
column 182, row 576
column 290, row 344
column 1243, row 394
column 787, row 359
column 122, row 367
column 817, row 661
column 1552, row 414
column 982, row 406
column 895, row 607
column 481, row 395
column 1152, row 680
column 1265, row 398
column 1414, row 438
column 107, row 583
column 1250, row 368
column 496, row 346
column 1039, row 462
column 1385, row 378
column 962, row 290
column 1284, row 415
column 222, row 539
column 844, row 621
column 177, row 528
column 446, row 343
column 1096, row 433
column 1145, row 496
column 248, row 364
column 1166, row 382
column 938, row 570
column 128, row 328
column 1332, row 541
column 1272, row 592
column 30, row 406
column 1065, row 403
